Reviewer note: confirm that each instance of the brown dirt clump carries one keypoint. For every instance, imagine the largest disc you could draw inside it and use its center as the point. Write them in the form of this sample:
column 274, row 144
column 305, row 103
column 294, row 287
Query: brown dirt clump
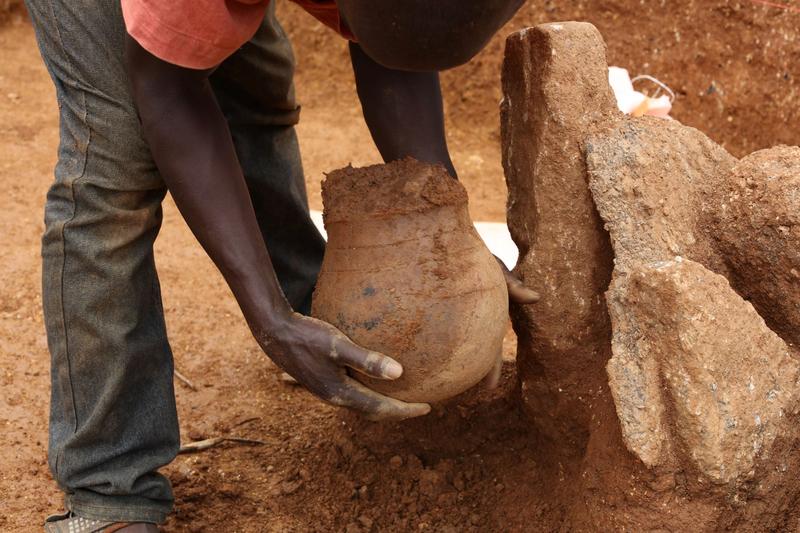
column 386, row 190
column 406, row 274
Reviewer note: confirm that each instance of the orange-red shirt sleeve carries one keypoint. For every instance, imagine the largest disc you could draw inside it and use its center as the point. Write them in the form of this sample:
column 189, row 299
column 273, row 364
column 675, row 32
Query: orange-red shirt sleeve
column 197, row 34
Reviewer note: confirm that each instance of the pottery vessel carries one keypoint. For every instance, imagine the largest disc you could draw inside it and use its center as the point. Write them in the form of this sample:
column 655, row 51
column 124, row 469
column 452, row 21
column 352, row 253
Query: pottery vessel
column 406, row 274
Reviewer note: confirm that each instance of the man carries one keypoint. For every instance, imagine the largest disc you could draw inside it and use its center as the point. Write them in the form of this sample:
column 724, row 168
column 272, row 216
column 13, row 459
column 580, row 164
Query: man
column 197, row 98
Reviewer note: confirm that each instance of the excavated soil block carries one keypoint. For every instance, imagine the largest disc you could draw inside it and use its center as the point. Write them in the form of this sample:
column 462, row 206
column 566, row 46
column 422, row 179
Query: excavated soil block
column 406, row 274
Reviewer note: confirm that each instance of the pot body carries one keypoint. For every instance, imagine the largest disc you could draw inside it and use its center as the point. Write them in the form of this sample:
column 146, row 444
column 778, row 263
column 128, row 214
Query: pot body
column 420, row 287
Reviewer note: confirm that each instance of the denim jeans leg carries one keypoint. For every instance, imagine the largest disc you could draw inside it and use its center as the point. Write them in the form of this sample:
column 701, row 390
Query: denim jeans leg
column 255, row 90
column 113, row 421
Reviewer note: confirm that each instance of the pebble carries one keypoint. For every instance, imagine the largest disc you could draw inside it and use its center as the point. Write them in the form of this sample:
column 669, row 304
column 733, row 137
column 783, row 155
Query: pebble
column 431, row 483
column 289, row 380
column 396, row 462
column 414, row 465
column 366, row 522
column 290, row 487
column 196, row 435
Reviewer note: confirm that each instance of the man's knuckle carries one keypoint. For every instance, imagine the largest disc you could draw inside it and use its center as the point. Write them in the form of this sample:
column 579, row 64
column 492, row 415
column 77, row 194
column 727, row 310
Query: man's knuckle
column 338, row 400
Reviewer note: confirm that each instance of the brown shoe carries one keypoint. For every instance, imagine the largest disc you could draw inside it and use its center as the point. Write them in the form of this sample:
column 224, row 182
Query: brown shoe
column 69, row 523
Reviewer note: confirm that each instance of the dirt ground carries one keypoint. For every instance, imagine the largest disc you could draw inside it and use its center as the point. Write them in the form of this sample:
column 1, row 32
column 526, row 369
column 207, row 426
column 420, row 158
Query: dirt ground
column 471, row 465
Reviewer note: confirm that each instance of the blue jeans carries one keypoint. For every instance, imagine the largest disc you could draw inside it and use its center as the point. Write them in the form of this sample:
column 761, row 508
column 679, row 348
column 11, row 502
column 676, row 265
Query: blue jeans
column 113, row 421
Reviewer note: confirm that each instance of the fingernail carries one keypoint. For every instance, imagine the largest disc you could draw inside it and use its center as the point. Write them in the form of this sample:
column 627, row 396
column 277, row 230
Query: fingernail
column 392, row 369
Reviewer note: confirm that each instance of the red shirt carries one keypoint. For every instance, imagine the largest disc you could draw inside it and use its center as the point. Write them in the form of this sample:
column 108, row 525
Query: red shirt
column 200, row 34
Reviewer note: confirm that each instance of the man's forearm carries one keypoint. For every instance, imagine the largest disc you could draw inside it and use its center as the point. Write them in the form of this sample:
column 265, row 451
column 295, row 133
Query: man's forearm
column 192, row 147
column 403, row 111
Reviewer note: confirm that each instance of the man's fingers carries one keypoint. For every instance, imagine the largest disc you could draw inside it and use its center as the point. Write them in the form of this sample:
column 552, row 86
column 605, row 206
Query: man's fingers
column 517, row 292
column 374, row 405
column 373, row 364
column 492, row 379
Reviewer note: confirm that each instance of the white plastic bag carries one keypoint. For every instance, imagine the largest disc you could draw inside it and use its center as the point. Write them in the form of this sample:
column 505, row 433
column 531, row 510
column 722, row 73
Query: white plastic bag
column 635, row 103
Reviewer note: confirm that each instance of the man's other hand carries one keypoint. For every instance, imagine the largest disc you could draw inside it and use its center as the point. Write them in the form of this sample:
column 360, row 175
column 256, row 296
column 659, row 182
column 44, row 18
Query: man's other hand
column 317, row 355
column 517, row 292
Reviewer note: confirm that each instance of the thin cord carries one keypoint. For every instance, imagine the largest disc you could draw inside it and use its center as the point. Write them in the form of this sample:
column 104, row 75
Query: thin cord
column 777, row 5
column 661, row 85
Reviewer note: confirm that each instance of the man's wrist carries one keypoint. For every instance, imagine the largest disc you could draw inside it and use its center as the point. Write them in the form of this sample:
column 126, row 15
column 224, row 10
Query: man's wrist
column 263, row 303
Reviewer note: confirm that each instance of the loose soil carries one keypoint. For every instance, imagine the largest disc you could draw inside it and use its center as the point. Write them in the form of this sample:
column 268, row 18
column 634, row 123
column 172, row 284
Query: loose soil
column 471, row 466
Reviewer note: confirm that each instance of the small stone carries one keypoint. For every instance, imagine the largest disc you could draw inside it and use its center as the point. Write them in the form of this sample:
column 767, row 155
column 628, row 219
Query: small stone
column 431, row 483
column 366, row 522
column 196, row 435
column 182, row 474
column 289, row 380
column 395, row 462
column 290, row 487
column 414, row 465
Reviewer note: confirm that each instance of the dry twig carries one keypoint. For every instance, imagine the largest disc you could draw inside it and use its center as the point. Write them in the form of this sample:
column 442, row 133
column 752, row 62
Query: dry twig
column 185, row 380
column 200, row 445
column 246, row 421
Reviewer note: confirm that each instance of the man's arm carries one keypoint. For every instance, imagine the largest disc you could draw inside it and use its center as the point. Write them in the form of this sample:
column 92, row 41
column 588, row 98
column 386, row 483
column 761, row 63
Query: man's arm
column 192, row 146
column 403, row 111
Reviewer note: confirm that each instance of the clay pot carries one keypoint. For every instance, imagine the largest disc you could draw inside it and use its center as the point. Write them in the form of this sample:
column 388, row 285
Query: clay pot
column 406, row 274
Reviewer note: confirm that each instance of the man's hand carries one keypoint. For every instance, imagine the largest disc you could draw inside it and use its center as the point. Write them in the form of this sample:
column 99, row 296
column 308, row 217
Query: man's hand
column 318, row 355
column 517, row 292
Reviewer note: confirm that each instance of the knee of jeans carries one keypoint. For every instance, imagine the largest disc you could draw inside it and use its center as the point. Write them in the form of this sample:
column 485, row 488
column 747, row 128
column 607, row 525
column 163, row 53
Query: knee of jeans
column 99, row 220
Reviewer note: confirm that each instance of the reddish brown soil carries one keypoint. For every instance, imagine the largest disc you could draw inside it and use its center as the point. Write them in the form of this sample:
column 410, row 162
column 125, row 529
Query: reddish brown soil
column 471, row 466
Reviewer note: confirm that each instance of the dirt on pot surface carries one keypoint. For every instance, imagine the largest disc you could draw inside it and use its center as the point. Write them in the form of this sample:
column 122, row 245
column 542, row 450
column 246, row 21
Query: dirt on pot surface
column 473, row 465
